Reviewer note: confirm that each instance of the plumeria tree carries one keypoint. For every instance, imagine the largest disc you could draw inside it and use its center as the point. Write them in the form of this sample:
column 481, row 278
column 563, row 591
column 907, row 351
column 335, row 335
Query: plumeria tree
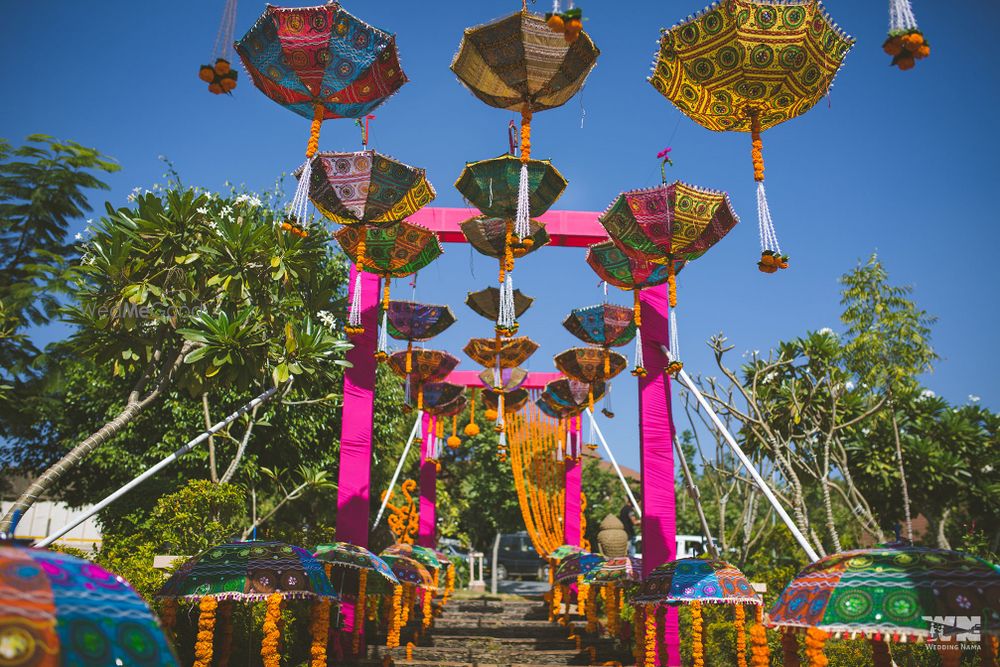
column 189, row 290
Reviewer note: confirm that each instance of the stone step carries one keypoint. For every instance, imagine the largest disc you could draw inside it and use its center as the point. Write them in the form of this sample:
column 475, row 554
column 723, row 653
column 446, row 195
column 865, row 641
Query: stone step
column 513, row 643
column 477, row 655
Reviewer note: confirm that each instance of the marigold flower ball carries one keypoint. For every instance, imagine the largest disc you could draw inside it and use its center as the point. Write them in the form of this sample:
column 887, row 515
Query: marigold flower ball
column 491, row 414
column 472, row 429
column 222, row 67
column 454, row 441
column 215, row 88
column 206, row 74
column 556, row 23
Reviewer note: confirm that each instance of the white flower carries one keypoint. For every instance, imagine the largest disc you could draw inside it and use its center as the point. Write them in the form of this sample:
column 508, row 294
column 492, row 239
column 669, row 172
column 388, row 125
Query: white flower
column 827, row 331
column 973, row 398
column 849, row 385
column 327, row 318
column 226, row 210
column 927, row 393
column 131, row 197
column 78, row 236
column 203, row 210
column 988, row 468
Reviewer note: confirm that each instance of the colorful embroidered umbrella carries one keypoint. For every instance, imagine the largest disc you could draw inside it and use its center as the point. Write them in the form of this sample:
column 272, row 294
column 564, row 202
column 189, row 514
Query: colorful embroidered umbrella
column 513, row 400
column 574, row 394
column 409, row 571
column 345, row 554
column 507, row 380
column 605, row 325
column 892, row 591
column 745, row 66
column 493, row 237
column 421, row 367
column 412, row 322
column 395, row 250
column 367, row 188
column 575, row 565
column 249, row 571
column 487, row 304
column 618, row 571
column 549, row 406
column 60, row 611
column 590, row 364
column 685, row 580
column 627, row 272
column 423, row 555
column 320, row 62
column 438, row 396
column 566, row 550
column 492, row 187
column 500, row 353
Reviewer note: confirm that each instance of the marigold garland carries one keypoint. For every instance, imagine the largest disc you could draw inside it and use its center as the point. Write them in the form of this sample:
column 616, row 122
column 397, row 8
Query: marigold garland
column 449, row 586
column 359, row 611
column 815, row 641
column 428, row 610
column 395, row 617
column 270, row 650
column 225, row 615
column 741, row 636
column 206, row 632
column 168, row 615
column 319, row 630
column 697, row 638
column 611, row 608
column 581, row 596
column 760, row 653
column 649, row 640
column 591, row 609
column 556, row 601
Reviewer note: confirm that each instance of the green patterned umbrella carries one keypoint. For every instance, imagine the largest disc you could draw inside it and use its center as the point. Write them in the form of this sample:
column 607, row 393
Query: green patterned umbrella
column 489, row 236
column 492, row 186
column 345, row 554
column 422, row 555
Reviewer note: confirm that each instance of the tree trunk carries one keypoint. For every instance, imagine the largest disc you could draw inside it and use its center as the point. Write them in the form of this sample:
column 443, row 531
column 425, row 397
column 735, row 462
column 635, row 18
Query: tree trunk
column 48, row 479
column 212, row 470
column 942, row 537
column 241, row 449
column 902, row 472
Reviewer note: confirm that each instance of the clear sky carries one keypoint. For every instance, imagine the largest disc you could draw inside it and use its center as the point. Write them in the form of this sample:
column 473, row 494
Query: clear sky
column 902, row 163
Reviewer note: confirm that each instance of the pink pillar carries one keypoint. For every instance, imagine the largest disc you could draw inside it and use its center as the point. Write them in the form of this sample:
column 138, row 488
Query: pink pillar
column 656, row 430
column 427, row 530
column 571, row 505
column 354, row 479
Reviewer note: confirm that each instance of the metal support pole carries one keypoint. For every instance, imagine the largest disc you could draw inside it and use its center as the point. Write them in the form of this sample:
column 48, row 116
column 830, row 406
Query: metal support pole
column 614, row 463
column 695, row 494
column 765, row 489
column 399, row 467
column 260, row 400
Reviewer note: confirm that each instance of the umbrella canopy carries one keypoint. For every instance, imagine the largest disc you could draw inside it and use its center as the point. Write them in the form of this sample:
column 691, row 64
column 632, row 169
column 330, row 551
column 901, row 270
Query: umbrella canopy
column 590, row 364
column 439, row 395
column 549, row 406
column 249, row 571
column 566, row 550
column 409, row 571
column 453, row 407
column 513, row 351
column 575, row 565
column 744, row 58
column 677, row 221
column 574, row 394
column 513, row 401
column 688, row 579
column 58, row 610
column 395, row 250
column 423, row 555
column 625, row 271
column 492, row 186
column 417, row 322
column 487, row 302
column 425, row 365
column 606, row 325
column 620, row 570
column 891, row 590
column 489, row 236
column 304, row 57
column 345, row 554
column 509, row 380
column 367, row 188
column 519, row 60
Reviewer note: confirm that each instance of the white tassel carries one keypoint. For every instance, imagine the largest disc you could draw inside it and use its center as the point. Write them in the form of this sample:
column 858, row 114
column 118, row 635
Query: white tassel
column 675, row 346
column 500, row 409
column 383, row 334
column 506, row 317
column 638, row 361
column 768, row 237
column 354, row 316
column 522, row 223
column 299, row 208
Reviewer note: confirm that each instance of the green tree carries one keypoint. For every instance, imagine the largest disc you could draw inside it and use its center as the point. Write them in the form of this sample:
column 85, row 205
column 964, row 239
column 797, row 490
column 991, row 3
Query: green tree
column 195, row 291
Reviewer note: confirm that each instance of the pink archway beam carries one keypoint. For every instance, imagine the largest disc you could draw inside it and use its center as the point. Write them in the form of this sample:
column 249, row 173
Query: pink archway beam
column 471, row 379
column 571, row 229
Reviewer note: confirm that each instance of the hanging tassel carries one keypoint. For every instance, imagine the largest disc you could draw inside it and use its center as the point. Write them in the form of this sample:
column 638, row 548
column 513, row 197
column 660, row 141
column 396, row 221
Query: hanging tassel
column 640, row 366
column 453, row 440
column 771, row 258
column 506, row 321
column 499, row 425
column 522, row 223
column 354, row 326
column 382, row 355
column 674, row 365
column 299, row 208
column 472, row 428
column 697, row 641
column 607, row 411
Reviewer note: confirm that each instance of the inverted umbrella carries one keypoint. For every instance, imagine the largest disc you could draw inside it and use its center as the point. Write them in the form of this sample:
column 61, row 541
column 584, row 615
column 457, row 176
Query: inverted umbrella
column 605, row 325
column 494, row 237
column 421, row 367
column 439, row 395
column 745, row 66
column 503, row 353
column 574, row 394
column 513, row 400
column 590, row 365
column 61, row 611
column 487, row 304
column 508, row 379
column 367, row 188
column 412, row 322
column 320, row 62
column 392, row 251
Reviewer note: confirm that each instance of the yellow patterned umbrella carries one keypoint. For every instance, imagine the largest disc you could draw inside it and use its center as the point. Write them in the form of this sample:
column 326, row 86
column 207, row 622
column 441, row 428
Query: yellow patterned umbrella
column 506, row 353
column 745, row 66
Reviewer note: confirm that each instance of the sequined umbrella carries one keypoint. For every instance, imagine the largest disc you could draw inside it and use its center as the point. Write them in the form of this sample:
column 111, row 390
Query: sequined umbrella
column 574, row 394
column 395, row 250
column 423, row 555
column 895, row 591
column 345, row 554
column 57, row 610
column 591, row 365
column 409, row 571
column 628, row 272
column 620, row 570
column 439, row 395
column 746, row 66
column 500, row 353
column 420, row 367
column 508, row 379
column 513, row 400
column 367, row 188
column 413, row 322
column 320, row 62
column 566, row 550
column 493, row 237
column 605, row 325
column 549, row 406
column 487, row 304
column 575, row 565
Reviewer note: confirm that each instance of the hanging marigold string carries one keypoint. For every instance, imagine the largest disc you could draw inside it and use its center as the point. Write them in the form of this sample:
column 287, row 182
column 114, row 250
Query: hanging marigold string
column 269, row 649
column 640, row 367
column 472, row 428
column 539, row 478
column 428, row 615
column 359, row 611
column 649, row 639
column 815, row 642
column 203, row 646
column 591, row 609
column 697, row 638
column 449, row 585
column 741, row 636
column 319, row 630
column 395, row 617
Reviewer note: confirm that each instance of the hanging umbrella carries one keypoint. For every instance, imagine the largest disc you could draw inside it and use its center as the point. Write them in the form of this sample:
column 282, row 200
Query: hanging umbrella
column 487, row 304
column 575, row 565
column 513, row 400
column 627, row 272
column 507, row 380
column 439, row 395
column 417, row 322
column 249, row 571
column 423, row 555
column 620, row 570
column 61, row 611
column 490, row 237
column 492, row 187
column 590, row 364
column 395, row 250
column 409, row 571
column 549, row 406
column 345, row 554
column 508, row 353
column 745, row 66
column 892, row 590
column 321, row 63
column 421, row 367
column 605, row 325
column 574, row 394
column 367, row 188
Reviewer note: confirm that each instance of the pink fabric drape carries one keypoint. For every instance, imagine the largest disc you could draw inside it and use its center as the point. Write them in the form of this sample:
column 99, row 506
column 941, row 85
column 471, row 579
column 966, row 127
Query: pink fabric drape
column 571, row 505
column 656, row 430
column 427, row 530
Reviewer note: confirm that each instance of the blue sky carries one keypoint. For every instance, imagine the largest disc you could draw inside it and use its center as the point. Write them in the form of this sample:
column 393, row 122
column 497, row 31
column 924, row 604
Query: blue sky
column 895, row 162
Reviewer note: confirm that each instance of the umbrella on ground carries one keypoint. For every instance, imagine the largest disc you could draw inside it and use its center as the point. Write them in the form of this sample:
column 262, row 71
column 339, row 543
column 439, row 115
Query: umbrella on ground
column 409, row 571
column 566, row 550
column 617, row 571
column 576, row 565
column 57, row 610
column 345, row 554
column 746, row 66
